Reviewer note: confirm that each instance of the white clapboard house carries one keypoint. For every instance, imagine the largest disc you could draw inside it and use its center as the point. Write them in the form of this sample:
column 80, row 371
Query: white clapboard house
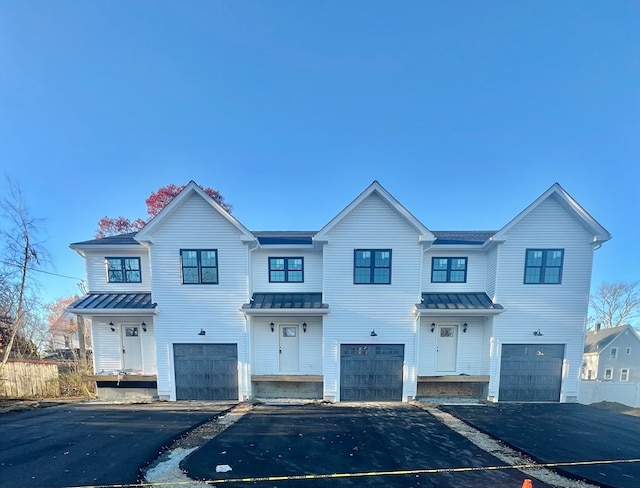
column 374, row 306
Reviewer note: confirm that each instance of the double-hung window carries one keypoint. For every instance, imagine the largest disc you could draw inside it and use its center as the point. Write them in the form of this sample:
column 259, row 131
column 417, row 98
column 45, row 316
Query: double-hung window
column 448, row 270
column 543, row 266
column 286, row 270
column 199, row 266
column 624, row 374
column 372, row 266
column 123, row 270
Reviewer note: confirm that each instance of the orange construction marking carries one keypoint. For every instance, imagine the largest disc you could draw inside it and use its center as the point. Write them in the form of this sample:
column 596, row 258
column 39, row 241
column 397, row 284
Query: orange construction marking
column 527, row 484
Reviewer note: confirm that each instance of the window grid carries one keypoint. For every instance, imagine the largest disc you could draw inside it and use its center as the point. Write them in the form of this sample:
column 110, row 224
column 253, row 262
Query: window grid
column 286, row 270
column 448, row 270
column 543, row 266
column 614, row 353
column 123, row 270
column 608, row 373
column 624, row 374
column 372, row 266
column 199, row 266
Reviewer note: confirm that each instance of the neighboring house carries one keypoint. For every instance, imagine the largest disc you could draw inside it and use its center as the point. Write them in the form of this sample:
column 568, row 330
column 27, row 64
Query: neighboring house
column 612, row 354
column 64, row 343
column 373, row 306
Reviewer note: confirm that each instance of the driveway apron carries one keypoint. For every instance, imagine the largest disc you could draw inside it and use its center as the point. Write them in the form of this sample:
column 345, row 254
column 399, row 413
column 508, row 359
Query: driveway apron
column 273, row 441
column 91, row 444
column 552, row 433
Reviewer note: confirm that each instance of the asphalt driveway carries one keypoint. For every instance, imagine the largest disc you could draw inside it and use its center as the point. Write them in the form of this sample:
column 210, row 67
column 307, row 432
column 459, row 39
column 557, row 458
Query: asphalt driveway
column 317, row 440
column 551, row 433
column 91, row 444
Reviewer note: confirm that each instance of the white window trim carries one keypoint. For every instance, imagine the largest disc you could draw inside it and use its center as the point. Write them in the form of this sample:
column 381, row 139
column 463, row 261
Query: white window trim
column 613, row 353
column 610, row 375
column 624, row 370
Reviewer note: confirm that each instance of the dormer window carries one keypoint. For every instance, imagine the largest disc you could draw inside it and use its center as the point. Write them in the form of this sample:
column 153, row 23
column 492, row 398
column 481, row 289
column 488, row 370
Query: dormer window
column 123, row 270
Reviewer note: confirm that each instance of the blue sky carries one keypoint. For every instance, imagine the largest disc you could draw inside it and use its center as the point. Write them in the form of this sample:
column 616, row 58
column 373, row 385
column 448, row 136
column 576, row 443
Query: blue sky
column 466, row 111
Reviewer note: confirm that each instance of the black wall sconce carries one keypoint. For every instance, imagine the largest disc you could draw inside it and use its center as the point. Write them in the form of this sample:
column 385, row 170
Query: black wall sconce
column 304, row 326
column 537, row 333
column 464, row 327
column 202, row 332
column 373, row 333
column 113, row 329
column 144, row 326
column 272, row 325
column 433, row 326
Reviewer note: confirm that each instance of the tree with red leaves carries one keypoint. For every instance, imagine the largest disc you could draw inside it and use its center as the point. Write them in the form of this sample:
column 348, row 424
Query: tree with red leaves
column 108, row 226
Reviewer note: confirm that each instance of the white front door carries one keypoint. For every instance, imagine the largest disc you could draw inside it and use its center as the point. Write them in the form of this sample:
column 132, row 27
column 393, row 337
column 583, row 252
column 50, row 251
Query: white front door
column 289, row 352
column 131, row 350
column 447, row 348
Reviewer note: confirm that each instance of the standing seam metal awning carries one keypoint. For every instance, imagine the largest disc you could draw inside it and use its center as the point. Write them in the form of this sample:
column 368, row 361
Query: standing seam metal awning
column 475, row 303
column 113, row 301
column 286, row 302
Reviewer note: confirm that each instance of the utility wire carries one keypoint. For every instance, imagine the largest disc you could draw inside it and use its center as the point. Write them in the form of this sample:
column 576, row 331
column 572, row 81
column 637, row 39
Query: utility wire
column 42, row 271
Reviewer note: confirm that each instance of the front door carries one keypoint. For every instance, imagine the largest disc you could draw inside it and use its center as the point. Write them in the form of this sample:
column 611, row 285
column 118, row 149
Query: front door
column 289, row 351
column 131, row 351
column 447, row 348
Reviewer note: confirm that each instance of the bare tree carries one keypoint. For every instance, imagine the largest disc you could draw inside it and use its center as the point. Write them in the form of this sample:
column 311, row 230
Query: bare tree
column 615, row 304
column 20, row 253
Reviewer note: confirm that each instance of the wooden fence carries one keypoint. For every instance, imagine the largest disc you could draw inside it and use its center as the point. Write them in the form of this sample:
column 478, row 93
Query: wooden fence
column 27, row 378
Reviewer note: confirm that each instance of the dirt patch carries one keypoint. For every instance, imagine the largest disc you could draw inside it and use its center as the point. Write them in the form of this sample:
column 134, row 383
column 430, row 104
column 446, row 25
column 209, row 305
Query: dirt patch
column 617, row 407
column 14, row 405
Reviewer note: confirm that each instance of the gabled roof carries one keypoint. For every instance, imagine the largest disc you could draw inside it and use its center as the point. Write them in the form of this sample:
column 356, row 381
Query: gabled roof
column 597, row 341
column 425, row 234
column 144, row 235
column 600, row 234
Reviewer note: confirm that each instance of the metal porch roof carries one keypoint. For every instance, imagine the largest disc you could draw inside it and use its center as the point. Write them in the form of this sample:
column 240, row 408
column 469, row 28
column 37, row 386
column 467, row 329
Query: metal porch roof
column 457, row 301
column 286, row 301
column 114, row 301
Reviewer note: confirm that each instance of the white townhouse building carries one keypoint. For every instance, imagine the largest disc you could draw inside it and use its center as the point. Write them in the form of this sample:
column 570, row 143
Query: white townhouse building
column 372, row 307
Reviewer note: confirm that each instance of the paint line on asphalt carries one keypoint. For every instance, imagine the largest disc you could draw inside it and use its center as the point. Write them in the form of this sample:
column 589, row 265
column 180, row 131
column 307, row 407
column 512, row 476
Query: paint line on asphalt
column 367, row 474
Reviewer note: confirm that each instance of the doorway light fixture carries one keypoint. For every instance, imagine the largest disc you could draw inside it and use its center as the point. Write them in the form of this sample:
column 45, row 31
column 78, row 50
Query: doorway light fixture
column 113, row 329
column 433, row 326
column 272, row 325
column 304, row 326
column 144, row 326
column 464, row 327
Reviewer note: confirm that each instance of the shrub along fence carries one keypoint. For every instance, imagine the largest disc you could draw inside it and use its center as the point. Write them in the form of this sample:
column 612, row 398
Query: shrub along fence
column 29, row 378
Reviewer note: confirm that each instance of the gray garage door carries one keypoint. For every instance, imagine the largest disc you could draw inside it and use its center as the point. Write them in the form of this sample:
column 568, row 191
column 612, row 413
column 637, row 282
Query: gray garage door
column 531, row 372
column 371, row 372
column 206, row 371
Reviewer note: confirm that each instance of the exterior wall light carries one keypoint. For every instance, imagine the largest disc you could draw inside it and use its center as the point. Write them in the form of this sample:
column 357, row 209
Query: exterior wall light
column 464, row 327
column 373, row 333
column 113, row 329
column 537, row 333
column 144, row 326
column 272, row 325
column 202, row 332
column 433, row 326
column 304, row 326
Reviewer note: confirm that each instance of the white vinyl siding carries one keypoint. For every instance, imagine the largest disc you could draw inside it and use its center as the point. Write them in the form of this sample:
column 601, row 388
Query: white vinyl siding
column 107, row 344
column 358, row 309
column 97, row 274
column 186, row 309
column 266, row 344
column 260, row 272
column 559, row 311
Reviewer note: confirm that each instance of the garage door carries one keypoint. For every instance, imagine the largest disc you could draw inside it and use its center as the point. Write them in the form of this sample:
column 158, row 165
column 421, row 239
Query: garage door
column 531, row 372
column 371, row 372
column 206, row 371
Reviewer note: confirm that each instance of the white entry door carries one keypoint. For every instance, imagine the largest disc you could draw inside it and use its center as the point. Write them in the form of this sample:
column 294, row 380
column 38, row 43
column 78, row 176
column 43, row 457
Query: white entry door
column 447, row 348
column 131, row 350
column 289, row 350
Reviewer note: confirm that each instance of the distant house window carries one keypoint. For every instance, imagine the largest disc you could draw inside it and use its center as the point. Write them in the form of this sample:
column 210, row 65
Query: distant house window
column 614, row 353
column 624, row 374
column 199, row 266
column 543, row 266
column 372, row 266
column 628, row 351
column 448, row 270
column 123, row 270
column 608, row 374
column 286, row 270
